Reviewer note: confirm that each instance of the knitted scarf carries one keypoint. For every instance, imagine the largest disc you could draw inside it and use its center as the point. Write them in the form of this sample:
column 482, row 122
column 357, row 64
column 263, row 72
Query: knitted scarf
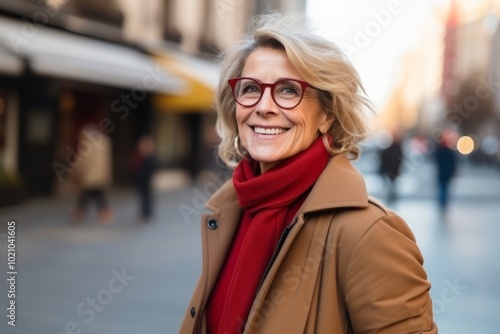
column 269, row 202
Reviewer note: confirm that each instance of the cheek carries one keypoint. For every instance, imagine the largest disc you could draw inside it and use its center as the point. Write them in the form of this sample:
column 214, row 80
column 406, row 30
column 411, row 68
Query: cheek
column 308, row 118
column 241, row 117
column 241, row 113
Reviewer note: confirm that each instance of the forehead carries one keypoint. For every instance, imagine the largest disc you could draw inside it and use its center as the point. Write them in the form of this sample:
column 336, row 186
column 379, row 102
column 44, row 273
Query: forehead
column 270, row 63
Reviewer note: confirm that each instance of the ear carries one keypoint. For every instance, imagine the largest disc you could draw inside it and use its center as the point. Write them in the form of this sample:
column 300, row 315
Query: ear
column 325, row 122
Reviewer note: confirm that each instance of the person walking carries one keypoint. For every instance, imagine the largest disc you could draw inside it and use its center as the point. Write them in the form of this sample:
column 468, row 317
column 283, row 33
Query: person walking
column 143, row 164
column 391, row 158
column 446, row 167
column 93, row 174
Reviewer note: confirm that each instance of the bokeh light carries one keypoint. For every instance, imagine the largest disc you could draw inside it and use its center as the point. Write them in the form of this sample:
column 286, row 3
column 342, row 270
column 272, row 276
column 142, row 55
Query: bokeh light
column 465, row 145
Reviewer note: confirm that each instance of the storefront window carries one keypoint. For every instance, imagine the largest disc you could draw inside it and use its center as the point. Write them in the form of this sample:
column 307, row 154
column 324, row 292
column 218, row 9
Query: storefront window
column 39, row 127
column 173, row 140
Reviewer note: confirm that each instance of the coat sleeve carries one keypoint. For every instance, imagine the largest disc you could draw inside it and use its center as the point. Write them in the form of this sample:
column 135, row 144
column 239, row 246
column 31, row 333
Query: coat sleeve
column 386, row 287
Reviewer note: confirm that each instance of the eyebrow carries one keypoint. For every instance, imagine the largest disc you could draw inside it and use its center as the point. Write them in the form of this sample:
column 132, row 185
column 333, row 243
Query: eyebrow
column 279, row 79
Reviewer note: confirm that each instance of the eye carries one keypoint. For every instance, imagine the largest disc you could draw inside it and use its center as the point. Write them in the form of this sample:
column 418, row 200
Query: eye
column 249, row 88
column 288, row 89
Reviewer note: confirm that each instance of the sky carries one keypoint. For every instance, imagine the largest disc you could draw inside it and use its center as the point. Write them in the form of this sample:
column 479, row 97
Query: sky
column 376, row 35
column 380, row 36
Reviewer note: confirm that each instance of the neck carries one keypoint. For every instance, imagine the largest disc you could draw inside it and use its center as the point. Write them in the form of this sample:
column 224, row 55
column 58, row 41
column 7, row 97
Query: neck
column 265, row 166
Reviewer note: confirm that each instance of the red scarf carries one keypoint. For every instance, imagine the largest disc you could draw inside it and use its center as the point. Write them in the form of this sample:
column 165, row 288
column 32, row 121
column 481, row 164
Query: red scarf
column 269, row 202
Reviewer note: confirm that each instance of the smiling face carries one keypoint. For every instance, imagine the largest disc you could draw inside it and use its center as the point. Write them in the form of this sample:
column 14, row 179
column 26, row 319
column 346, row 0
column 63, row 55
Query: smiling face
column 270, row 133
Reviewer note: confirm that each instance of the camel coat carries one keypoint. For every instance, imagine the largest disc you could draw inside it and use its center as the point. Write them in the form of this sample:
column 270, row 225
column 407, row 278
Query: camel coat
column 346, row 264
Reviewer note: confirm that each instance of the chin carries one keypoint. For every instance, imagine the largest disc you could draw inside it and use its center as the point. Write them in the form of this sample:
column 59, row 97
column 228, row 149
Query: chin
column 267, row 157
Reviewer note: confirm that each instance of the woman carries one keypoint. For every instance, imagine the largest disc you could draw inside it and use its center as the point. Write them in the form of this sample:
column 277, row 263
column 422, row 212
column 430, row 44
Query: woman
column 294, row 243
column 93, row 173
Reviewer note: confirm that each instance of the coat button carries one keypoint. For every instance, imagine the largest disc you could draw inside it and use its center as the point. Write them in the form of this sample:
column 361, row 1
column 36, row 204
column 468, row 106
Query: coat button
column 212, row 224
column 193, row 312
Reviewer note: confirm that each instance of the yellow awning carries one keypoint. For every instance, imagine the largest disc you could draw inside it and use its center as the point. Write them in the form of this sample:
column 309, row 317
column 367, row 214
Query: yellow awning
column 198, row 95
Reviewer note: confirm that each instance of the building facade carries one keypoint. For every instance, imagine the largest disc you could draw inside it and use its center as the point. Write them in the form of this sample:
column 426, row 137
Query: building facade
column 131, row 67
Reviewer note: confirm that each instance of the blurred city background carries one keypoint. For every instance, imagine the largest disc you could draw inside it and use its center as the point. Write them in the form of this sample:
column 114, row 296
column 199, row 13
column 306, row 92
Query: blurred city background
column 127, row 87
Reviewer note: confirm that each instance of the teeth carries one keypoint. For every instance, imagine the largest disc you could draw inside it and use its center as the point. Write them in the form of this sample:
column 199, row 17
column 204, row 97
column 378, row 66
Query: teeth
column 272, row 131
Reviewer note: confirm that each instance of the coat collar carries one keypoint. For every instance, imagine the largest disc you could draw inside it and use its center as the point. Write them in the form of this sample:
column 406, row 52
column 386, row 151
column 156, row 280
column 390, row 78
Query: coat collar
column 339, row 185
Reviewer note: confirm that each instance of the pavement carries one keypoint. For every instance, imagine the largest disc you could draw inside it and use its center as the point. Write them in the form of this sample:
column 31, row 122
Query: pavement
column 137, row 277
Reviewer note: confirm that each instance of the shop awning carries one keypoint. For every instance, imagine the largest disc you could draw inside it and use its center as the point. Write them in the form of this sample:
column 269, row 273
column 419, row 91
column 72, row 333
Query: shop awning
column 201, row 78
column 10, row 64
column 61, row 54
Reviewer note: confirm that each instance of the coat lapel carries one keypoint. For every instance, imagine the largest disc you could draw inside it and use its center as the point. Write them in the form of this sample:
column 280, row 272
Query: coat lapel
column 217, row 241
column 340, row 185
column 291, row 281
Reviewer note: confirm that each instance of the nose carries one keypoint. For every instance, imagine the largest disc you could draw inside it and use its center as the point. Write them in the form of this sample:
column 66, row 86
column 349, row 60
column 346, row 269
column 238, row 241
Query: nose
column 266, row 104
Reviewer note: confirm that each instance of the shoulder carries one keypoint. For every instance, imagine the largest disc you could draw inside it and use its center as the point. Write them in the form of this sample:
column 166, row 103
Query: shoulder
column 356, row 223
column 380, row 266
column 372, row 224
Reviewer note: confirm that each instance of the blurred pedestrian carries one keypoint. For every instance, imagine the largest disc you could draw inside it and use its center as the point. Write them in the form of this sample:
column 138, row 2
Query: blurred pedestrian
column 92, row 174
column 391, row 158
column 143, row 164
column 446, row 161
column 293, row 243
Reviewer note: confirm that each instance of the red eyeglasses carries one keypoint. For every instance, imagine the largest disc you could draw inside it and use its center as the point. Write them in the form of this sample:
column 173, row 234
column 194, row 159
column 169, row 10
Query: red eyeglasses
column 286, row 93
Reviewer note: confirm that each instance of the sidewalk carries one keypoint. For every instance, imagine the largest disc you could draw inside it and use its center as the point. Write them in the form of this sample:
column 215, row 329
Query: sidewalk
column 63, row 268
column 50, row 210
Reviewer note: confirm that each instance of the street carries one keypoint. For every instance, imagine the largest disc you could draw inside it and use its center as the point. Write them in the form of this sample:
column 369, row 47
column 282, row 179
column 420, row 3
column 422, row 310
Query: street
column 132, row 277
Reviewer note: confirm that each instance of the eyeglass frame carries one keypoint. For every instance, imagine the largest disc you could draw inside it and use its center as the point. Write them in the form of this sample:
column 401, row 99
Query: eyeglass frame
column 233, row 81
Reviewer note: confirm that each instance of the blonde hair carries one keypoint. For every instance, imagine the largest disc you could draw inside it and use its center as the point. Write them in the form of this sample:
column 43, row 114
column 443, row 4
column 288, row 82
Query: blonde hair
column 319, row 62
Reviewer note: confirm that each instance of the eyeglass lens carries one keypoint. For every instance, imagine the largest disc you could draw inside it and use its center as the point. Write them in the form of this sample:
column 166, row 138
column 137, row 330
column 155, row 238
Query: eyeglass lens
column 286, row 93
